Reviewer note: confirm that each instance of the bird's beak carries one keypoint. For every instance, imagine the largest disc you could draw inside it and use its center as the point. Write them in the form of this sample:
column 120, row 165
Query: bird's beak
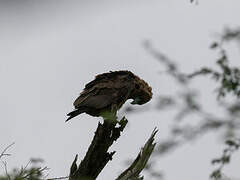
column 136, row 101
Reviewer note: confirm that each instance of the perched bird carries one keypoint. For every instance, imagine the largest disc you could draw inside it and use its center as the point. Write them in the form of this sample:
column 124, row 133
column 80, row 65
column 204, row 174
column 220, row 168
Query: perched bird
column 109, row 91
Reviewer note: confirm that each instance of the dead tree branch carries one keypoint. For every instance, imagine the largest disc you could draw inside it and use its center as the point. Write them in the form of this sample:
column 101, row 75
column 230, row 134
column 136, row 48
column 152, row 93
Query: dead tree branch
column 97, row 155
column 133, row 172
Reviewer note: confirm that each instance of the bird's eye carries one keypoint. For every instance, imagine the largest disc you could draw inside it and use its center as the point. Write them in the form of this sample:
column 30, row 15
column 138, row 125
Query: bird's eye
column 137, row 86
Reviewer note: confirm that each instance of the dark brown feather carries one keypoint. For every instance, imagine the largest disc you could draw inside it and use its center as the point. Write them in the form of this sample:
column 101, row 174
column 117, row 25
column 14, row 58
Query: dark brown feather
column 110, row 90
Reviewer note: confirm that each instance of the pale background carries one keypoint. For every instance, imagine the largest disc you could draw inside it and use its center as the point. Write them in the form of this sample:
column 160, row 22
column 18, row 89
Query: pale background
column 50, row 49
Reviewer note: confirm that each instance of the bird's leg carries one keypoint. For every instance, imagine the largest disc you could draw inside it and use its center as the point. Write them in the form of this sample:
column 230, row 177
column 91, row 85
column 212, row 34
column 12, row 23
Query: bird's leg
column 114, row 110
column 109, row 115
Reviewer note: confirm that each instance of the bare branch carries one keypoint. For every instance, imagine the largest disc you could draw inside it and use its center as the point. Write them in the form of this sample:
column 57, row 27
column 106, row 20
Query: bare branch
column 6, row 171
column 65, row 177
column 3, row 153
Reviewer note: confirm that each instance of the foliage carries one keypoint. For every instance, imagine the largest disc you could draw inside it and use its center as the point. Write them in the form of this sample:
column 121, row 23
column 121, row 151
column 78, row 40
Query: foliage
column 186, row 102
column 232, row 146
column 34, row 172
column 228, row 77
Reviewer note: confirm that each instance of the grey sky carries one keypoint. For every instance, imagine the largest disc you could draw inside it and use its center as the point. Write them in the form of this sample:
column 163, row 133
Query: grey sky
column 50, row 49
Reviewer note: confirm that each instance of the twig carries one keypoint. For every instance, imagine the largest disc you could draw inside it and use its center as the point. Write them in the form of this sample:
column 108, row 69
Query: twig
column 233, row 146
column 6, row 172
column 64, row 177
column 39, row 170
column 3, row 152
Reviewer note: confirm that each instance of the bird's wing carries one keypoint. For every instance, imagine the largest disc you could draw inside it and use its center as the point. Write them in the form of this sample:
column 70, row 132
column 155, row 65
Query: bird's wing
column 102, row 98
column 110, row 77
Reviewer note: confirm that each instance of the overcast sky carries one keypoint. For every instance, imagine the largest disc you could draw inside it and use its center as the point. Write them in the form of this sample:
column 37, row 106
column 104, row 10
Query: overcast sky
column 50, row 48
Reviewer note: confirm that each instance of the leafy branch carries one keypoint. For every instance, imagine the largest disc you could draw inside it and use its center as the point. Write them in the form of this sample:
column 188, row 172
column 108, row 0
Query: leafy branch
column 232, row 146
column 229, row 77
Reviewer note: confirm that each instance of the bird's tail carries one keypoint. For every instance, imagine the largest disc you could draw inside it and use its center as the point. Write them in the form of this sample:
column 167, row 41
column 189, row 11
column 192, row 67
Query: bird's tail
column 74, row 113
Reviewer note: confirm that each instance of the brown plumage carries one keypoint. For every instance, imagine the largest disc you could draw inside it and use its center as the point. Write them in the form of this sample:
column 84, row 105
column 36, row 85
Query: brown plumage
column 110, row 91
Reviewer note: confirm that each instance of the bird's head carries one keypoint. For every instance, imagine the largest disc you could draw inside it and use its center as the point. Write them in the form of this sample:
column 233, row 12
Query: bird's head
column 142, row 92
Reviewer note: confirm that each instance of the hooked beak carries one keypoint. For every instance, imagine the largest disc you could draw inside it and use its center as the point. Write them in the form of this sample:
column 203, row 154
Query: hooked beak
column 136, row 101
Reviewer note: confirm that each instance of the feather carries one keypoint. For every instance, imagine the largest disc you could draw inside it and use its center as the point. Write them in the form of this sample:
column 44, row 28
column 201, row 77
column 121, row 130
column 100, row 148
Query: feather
column 110, row 90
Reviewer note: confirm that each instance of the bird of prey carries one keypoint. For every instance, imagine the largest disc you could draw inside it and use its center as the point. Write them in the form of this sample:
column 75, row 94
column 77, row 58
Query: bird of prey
column 110, row 91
